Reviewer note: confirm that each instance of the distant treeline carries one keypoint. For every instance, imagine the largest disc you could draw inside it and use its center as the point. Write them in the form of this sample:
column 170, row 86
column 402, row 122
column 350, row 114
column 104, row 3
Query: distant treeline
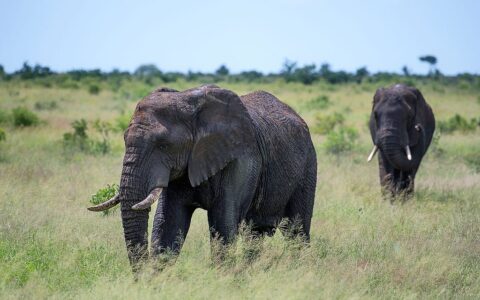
column 290, row 72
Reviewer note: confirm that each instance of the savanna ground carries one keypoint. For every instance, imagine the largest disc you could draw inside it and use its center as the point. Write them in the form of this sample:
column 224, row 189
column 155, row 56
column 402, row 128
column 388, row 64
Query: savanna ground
column 362, row 246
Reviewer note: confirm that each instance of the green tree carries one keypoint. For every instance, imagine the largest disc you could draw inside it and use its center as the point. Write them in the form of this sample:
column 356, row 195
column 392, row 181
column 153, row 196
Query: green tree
column 29, row 72
column 147, row 71
column 251, row 76
column 325, row 70
column 305, row 74
column 431, row 60
column 222, row 71
column 287, row 70
column 360, row 74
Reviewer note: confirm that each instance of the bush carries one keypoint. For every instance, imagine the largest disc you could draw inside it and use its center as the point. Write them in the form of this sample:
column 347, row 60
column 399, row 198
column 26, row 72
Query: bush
column 22, row 116
column 3, row 135
column 105, row 194
column 457, row 123
column 5, row 117
column 48, row 105
column 103, row 146
column 321, row 102
column 79, row 140
column 122, row 122
column 94, row 89
column 341, row 140
column 325, row 124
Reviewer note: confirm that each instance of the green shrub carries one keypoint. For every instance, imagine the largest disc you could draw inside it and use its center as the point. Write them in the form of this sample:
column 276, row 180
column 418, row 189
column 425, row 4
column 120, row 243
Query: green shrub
column 46, row 105
column 140, row 92
column 103, row 195
column 457, row 123
column 122, row 122
column 103, row 146
column 5, row 117
column 79, row 140
column 341, row 140
column 325, row 124
column 22, row 116
column 3, row 135
column 94, row 89
column 321, row 102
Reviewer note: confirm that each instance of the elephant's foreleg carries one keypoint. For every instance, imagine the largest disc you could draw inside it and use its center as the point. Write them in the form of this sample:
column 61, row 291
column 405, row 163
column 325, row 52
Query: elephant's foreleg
column 223, row 220
column 170, row 226
column 236, row 192
column 406, row 184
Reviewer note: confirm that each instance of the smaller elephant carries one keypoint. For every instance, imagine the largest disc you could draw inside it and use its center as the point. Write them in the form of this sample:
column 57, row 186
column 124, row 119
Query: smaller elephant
column 401, row 126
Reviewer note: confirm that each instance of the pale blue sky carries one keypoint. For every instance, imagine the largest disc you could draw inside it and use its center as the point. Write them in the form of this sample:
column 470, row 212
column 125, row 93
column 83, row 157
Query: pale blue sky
column 193, row 35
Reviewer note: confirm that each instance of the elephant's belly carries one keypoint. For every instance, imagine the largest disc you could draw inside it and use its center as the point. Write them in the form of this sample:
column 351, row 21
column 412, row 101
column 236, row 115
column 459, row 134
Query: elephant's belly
column 269, row 210
column 263, row 223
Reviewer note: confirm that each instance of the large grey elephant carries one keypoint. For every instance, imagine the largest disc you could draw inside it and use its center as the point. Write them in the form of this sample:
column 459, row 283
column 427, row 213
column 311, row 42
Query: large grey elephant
column 247, row 158
column 401, row 126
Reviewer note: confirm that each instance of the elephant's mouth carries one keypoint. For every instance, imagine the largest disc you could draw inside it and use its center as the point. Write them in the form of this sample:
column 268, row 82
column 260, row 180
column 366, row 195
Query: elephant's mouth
column 374, row 151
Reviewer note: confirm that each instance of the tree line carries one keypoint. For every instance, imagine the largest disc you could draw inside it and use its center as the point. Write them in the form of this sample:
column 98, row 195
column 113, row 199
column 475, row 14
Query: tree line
column 290, row 72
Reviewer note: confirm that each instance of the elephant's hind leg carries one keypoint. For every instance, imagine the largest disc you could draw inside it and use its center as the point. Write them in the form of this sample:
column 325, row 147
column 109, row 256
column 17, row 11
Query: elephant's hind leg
column 299, row 209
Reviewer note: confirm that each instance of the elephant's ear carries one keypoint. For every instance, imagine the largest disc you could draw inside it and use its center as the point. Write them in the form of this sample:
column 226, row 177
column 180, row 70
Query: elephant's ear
column 223, row 131
column 378, row 96
column 372, row 122
column 423, row 116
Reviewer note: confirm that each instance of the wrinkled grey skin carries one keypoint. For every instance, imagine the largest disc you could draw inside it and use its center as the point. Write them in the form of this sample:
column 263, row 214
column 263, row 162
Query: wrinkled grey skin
column 400, row 117
column 246, row 158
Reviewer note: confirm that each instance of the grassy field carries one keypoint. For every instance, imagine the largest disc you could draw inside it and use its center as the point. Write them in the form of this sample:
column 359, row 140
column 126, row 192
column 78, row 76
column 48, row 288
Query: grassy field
column 362, row 246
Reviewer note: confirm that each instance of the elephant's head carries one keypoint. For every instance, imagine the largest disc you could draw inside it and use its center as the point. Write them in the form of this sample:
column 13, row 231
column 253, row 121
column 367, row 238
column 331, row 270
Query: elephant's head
column 397, row 126
column 172, row 134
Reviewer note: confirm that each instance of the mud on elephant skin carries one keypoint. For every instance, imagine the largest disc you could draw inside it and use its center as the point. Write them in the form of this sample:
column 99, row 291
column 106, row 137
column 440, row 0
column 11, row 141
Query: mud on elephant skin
column 401, row 126
column 247, row 158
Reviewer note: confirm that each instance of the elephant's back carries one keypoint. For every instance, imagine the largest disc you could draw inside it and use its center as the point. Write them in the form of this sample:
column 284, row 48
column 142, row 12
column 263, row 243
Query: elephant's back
column 268, row 109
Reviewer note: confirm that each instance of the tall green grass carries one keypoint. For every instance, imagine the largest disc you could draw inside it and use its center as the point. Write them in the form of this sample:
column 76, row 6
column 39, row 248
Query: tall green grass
column 362, row 247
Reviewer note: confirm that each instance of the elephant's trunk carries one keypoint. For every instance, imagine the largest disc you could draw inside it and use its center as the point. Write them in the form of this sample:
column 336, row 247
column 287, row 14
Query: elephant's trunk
column 396, row 153
column 135, row 222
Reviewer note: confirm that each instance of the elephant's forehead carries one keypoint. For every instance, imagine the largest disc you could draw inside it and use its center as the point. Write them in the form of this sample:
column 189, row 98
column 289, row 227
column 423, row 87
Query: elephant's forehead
column 399, row 91
column 165, row 101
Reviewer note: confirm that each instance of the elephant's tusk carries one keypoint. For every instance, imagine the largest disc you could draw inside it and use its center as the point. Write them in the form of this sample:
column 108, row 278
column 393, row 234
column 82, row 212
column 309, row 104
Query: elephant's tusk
column 106, row 205
column 409, row 154
column 372, row 154
column 147, row 202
